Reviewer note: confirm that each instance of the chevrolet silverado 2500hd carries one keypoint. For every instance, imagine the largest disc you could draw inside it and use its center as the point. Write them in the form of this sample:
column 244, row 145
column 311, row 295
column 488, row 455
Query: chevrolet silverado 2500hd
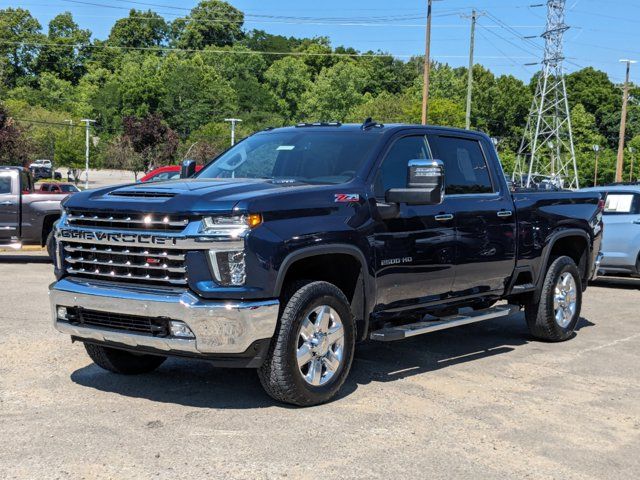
column 26, row 216
column 297, row 243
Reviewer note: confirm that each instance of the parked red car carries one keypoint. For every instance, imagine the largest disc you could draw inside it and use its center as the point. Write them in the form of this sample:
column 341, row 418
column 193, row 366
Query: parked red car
column 64, row 188
column 169, row 172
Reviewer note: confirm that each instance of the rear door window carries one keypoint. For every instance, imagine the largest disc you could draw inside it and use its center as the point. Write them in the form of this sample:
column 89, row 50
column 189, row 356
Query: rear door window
column 465, row 167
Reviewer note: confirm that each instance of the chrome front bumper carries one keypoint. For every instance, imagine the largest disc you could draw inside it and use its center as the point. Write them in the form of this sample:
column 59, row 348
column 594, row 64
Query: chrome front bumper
column 220, row 327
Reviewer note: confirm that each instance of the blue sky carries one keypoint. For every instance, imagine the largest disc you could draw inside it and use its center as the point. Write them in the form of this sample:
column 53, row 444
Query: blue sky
column 601, row 31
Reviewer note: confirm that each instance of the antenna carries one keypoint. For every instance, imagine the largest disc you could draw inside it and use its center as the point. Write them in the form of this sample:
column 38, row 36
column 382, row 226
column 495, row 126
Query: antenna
column 546, row 151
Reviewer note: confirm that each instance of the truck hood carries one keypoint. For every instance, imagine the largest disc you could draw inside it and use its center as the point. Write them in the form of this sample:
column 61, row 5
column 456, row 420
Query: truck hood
column 192, row 197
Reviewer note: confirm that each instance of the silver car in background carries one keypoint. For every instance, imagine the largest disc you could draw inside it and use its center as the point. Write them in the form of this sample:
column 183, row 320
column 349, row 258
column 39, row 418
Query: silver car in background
column 621, row 240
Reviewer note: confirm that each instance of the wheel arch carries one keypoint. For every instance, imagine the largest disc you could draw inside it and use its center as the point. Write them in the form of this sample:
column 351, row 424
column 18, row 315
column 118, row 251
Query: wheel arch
column 572, row 242
column 48, row 223
column 314, row 262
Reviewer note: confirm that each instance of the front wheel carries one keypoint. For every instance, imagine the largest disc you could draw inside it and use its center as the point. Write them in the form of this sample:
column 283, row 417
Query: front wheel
column 311, row 355
column 554, row 317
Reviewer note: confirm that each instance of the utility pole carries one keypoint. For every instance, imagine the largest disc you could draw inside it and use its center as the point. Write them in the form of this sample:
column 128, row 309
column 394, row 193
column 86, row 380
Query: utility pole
column 233, row 122
column 623, row 121
column 88, row 123
column 427, row 67
column 474, row 18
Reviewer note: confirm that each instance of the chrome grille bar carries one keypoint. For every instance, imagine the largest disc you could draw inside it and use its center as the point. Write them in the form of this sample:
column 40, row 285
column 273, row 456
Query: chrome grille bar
column 140, row 263
column 127, row 264
column 127, row 252
column 127, row 276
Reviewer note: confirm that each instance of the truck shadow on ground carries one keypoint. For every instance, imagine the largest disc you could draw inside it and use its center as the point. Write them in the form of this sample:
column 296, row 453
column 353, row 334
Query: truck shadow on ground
column 198, row 384
column 24, row 258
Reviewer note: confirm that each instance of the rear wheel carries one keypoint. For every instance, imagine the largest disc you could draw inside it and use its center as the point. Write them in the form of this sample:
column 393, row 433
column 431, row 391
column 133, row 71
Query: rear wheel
column 120, row 361
column 311, row 355
column 555, row 316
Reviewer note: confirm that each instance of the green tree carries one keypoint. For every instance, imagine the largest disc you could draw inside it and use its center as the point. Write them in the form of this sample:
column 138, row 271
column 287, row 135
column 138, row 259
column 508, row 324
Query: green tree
column 385, row 108
column 20, row 34
column 52, row 93
column 65, row 51
column 505, row 110
column 288, row 78
column 336, row 91
column 245, row 73
column 193, row 94
column 70, row 152
column 14, row 146
column 139, row 30
column 317, row 54
column 211, row 22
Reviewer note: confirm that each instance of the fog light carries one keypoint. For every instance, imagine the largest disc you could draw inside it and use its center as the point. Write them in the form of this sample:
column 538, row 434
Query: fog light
column 228, row 267
column 62, row 313
column 180, row 329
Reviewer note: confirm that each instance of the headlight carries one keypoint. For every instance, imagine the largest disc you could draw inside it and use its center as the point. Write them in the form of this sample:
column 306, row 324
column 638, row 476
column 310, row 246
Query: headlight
column 232, row 226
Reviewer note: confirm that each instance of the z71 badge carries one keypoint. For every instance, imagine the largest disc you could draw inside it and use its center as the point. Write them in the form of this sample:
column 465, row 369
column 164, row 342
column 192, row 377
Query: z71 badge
column 346, row 197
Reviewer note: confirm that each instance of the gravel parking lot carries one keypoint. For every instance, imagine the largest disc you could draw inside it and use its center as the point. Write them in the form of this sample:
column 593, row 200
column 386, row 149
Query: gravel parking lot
column 481, row 401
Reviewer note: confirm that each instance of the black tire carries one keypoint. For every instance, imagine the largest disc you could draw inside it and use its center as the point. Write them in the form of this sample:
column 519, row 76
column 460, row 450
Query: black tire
column 51, row 246
column 540, row 315
column 120, row 361
column 280, row 375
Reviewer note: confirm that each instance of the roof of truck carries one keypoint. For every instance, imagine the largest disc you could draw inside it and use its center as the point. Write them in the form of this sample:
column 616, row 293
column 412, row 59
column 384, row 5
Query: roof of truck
column 366, row 127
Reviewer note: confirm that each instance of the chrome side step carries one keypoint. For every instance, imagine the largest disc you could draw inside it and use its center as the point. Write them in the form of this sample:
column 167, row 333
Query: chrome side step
column 390, row 334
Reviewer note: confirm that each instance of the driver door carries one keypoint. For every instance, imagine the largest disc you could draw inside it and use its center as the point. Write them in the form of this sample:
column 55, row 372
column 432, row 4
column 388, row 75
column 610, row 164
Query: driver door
column 415, row 250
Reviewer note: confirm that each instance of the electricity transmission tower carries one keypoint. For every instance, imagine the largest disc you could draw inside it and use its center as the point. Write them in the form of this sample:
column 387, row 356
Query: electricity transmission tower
column 546, row 151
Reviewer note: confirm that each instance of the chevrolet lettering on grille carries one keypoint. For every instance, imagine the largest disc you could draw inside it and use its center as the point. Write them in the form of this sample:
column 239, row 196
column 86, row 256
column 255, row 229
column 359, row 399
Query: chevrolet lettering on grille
column 117, row 237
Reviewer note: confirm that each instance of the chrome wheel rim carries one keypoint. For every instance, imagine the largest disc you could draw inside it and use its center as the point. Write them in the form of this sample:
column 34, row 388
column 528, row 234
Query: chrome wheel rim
column 565, row 299
column 320, row 348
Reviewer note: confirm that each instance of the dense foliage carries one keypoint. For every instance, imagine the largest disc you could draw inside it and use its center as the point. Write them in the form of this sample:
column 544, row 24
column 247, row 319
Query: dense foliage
column 160, row 90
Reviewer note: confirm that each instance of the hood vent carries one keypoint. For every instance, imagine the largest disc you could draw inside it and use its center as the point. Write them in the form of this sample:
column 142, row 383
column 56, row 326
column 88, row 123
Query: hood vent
column 142, row 194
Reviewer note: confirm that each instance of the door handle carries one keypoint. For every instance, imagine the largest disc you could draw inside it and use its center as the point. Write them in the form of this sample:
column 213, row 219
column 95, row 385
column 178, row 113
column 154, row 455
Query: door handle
column 445, row 217
column 505, row 213
column 6, row 203
column 637, row 222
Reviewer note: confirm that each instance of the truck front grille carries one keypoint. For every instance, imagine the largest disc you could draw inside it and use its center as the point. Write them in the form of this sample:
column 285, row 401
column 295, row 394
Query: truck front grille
column 158, row 327
column 119, row 221
column 135, row 264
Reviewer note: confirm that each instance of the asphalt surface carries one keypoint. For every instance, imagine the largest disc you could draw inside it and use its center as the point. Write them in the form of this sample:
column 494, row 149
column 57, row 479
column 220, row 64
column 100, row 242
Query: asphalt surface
column 481, row 401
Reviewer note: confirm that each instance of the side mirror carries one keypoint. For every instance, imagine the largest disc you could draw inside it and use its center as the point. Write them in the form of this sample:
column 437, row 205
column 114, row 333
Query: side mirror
column 425, row 184
column 188, row 168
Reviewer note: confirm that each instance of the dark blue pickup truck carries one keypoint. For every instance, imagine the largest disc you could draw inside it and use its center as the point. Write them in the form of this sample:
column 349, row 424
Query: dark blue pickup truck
column 298, row 243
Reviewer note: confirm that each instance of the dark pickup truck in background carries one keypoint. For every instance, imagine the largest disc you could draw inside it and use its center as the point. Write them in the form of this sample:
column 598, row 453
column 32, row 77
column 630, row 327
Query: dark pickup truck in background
column 26, row 216
column 296, row 244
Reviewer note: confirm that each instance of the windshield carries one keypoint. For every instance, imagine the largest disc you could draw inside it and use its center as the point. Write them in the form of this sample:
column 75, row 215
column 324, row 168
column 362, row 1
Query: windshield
column 310, row 157
column 69, row 188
